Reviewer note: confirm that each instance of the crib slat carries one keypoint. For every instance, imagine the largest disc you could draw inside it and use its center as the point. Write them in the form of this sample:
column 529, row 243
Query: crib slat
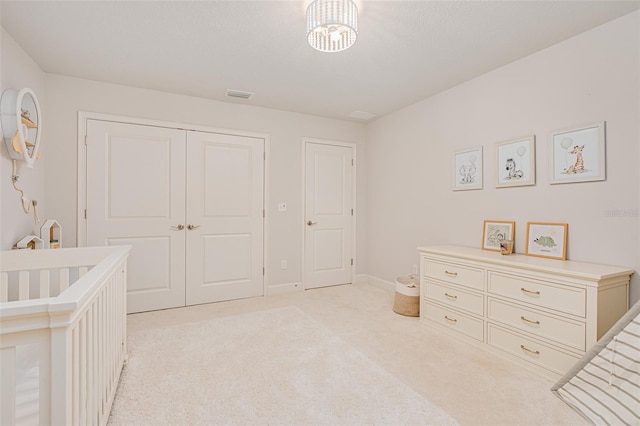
column 64, row 279
column 103, row 354
column 23, row 285
column 8, row 383
column 44, row 283
column 4, row 287
column 91, row 366
column 100, row 369
column 75, row 377
column 83, row 370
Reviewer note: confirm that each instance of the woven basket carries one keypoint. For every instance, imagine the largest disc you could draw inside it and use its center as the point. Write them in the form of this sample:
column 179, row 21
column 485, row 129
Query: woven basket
column 407, row 300
column 406, row 305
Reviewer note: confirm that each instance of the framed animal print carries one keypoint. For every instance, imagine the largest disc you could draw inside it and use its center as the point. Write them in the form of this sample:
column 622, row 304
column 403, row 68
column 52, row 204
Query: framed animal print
column 467, row 169
column 516, row 162
column 547, row 240
column 495, row 232
column 577, row 154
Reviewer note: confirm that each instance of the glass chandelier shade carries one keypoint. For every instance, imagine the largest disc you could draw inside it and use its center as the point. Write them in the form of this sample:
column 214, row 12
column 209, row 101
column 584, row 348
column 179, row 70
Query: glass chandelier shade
column 332, row 25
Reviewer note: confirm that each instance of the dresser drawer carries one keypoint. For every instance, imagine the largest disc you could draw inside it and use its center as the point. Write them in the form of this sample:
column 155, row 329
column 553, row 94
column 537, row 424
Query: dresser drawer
column 455, row 297
column 566, row 332
column 570, row 300
column 531, row 350
column 465, row 324
column 461, row 275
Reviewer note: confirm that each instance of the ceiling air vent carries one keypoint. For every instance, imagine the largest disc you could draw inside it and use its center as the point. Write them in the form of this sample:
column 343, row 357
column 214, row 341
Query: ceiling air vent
column 239, row 94
column 362, row 115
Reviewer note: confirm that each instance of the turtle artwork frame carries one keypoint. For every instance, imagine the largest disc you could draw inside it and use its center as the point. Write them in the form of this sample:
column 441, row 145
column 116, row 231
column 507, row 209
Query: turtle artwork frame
column 545, row 239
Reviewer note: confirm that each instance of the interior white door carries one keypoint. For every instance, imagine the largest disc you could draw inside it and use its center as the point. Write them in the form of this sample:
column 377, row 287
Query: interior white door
column 328, row 215
column 136, row 196
column 225, row 193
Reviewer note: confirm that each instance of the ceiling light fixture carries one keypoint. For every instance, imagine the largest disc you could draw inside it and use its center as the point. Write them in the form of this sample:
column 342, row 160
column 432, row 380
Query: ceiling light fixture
column 332, row 25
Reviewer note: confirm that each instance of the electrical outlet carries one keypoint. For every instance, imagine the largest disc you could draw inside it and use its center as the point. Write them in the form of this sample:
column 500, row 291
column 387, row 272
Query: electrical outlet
column 414, row 269
column 283, row 264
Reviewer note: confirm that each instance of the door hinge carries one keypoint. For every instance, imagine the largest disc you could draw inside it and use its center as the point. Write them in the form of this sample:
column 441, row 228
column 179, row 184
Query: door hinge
column 264, row 155
column 85, row 140
column 262, row 271
column 351, row 212
column 352, row 161
column 352, row 261
column 85, row 213
column 264, row 213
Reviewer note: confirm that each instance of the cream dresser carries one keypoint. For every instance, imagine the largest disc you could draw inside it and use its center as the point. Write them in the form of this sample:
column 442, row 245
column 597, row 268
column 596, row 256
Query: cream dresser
column 541, row 313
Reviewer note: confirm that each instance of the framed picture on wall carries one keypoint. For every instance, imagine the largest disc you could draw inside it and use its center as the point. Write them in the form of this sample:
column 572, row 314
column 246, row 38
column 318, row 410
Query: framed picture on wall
column 547, row 240
column 577, row 154
column 516, row 162
column 467, row 169
column 496, row 231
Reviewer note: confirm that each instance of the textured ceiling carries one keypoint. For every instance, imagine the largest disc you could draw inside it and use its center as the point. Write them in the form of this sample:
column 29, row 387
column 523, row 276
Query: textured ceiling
column 406, row 50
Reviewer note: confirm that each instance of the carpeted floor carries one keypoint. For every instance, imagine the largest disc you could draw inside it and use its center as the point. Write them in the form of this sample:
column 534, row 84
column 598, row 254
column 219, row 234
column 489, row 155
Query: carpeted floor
column 277, row 366
column 471, row 385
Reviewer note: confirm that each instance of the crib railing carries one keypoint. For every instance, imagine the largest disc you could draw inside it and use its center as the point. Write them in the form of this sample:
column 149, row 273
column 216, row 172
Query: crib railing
column 67, row 309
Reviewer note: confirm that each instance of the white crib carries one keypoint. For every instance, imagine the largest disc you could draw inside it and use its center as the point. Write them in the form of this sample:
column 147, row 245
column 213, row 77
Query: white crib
column 62, row 334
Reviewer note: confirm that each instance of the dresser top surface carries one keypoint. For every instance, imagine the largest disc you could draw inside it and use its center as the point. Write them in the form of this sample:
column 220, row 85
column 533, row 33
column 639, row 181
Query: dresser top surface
column 585, row 270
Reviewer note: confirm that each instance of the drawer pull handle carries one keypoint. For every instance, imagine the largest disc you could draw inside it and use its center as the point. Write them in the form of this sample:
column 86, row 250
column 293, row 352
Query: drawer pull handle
column 453, row 320
column 529, row 321
column 525, row 291
column 531, row 351
column 451, row 274
column 451, row 296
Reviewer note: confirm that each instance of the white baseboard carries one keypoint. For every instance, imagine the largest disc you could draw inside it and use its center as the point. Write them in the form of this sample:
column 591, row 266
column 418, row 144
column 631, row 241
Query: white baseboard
column 273, row 290
column 375, row 281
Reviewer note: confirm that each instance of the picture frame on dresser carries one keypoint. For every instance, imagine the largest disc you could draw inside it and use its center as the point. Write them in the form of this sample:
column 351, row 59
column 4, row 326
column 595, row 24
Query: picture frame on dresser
column 578, row 154
column 467, row 169
column 546, row 239
column 516, row 162
column 496, row 231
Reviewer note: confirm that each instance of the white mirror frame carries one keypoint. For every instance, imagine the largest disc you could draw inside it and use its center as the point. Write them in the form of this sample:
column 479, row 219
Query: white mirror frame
column 11, row 115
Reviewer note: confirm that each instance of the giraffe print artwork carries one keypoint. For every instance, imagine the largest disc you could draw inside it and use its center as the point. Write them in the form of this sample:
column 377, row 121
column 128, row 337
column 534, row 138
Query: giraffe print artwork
column 578, row 155
column 578, row 166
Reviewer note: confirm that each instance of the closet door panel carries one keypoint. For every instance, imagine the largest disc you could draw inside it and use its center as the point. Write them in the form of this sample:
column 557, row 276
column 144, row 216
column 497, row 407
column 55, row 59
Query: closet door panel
column 136, row 196
column 225, row 186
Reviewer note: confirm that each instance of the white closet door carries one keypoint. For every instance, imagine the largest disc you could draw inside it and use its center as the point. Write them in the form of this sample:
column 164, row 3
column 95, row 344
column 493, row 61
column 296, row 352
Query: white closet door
column 225, row 185
column 136, row 196
column 328, row 215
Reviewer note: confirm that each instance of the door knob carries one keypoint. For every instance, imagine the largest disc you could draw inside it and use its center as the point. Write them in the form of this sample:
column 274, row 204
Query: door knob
column 309, row 223
column 180, row 227
column 192, row 227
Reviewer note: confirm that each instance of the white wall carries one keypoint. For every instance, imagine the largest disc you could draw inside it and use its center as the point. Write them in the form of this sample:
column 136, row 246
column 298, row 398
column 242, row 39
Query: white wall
column 589, row 78
column 67, row 96
column 18, row 71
